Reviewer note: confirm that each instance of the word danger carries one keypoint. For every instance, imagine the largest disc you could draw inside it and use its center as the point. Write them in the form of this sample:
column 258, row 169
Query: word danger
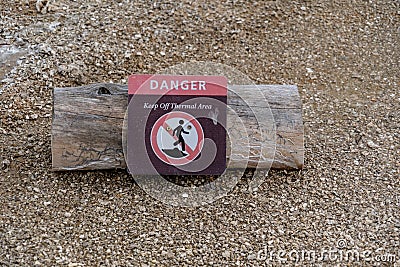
column 177, row 85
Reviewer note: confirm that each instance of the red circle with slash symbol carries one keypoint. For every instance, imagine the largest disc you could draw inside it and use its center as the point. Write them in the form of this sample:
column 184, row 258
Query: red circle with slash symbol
column 177, row 138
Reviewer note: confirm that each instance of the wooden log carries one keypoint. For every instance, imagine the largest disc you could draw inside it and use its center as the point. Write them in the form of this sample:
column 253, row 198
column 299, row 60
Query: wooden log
column 87, row 127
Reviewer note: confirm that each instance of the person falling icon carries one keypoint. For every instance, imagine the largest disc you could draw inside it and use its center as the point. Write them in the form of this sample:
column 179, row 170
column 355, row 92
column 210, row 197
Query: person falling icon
column 178, row 133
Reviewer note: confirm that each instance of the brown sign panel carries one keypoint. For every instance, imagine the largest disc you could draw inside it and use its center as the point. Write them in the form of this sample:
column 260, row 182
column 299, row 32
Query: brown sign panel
column 176, row 125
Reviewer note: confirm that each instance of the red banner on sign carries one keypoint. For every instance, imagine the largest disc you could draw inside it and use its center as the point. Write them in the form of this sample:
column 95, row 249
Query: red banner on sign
column 177, row 85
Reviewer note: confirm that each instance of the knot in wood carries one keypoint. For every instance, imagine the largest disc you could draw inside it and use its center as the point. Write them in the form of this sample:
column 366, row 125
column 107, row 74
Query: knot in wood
column 103, row 91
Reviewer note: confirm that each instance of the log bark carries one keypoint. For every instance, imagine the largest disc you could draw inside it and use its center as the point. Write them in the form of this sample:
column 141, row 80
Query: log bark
column 87, row 127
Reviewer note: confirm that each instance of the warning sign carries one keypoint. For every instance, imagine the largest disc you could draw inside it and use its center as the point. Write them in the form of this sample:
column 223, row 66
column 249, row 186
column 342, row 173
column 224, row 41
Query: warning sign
column 176, row 124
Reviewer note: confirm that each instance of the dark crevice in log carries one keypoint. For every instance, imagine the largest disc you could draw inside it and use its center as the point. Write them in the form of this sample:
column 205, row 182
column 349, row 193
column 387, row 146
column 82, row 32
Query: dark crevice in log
column 92, row 115
column 103, row 91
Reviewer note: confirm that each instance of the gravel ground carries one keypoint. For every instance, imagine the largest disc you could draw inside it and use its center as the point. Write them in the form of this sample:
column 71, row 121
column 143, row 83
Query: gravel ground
column 343, row 55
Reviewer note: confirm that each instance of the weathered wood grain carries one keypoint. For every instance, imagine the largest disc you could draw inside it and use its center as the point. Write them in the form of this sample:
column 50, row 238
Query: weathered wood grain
column 87, row 128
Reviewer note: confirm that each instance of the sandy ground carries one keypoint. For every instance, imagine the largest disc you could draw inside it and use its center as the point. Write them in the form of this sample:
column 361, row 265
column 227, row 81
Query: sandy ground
column 344, row 57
